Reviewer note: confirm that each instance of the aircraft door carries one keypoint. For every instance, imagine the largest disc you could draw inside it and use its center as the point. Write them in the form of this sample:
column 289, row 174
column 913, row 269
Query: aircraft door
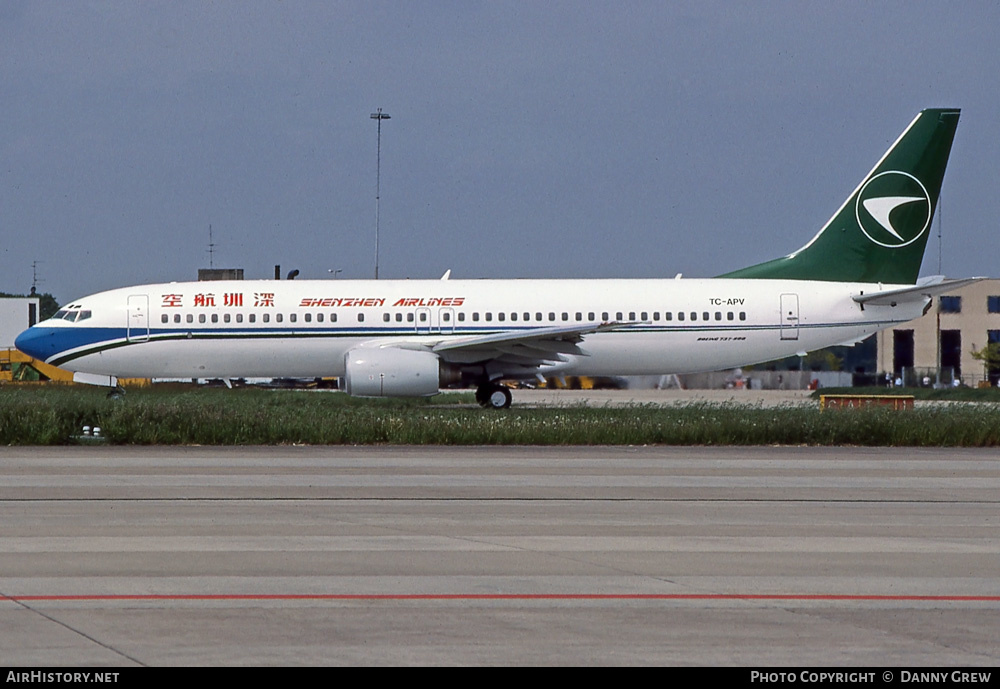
column 423, row 321
column 137, row 326
column 446, row 321
column 789, row 316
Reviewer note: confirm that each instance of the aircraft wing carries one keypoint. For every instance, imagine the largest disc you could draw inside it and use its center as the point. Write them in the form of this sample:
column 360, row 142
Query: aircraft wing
column 926, row 288
column 523, row 348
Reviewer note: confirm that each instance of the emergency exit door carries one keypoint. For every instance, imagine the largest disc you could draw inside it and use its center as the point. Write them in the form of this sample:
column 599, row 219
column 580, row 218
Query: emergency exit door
column 789, row 316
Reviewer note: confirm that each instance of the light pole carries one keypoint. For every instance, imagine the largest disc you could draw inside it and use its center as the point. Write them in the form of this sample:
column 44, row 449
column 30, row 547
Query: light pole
column 379, row 116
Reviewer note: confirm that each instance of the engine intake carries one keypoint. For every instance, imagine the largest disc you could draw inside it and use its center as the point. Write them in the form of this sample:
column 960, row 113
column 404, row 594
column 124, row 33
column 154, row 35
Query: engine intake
column 392, row 372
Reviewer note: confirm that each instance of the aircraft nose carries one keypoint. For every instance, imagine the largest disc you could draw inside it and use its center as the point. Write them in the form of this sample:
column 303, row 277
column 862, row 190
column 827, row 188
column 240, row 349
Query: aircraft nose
column 36, row 342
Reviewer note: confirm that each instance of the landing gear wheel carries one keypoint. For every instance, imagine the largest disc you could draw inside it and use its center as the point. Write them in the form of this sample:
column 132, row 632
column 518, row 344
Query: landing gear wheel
column 493, row 396
column 116, row 393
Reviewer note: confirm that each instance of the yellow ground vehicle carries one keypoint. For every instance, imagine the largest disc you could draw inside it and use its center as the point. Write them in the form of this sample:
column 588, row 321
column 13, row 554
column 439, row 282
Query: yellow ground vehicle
column 18, row 367
column 584, row 383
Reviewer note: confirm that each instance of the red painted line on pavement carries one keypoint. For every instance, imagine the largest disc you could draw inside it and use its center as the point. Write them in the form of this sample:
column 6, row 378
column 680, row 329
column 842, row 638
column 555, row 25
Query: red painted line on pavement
column 498, row 597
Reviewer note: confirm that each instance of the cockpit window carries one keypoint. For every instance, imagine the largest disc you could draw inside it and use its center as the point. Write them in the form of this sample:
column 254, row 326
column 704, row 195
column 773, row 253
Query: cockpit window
column 72, row 315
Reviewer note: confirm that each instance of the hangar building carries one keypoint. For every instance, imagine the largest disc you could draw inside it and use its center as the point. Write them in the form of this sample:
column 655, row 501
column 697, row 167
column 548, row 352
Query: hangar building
column 944, row 338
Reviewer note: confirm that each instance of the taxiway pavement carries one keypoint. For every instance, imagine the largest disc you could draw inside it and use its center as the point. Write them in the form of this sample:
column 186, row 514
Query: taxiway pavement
column 508, row 555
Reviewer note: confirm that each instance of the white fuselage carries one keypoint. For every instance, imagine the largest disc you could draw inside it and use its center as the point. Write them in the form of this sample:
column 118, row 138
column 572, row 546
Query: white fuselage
column 234, row 329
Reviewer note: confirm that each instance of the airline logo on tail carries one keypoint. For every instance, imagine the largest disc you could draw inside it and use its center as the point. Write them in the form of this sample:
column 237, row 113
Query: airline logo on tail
column 893, row 209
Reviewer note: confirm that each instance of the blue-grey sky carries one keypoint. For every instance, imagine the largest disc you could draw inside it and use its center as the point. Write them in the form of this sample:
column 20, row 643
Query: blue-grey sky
column 527, row 139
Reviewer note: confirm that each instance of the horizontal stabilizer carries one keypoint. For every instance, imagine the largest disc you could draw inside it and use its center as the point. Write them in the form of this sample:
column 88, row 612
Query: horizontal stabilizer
column 928, row 288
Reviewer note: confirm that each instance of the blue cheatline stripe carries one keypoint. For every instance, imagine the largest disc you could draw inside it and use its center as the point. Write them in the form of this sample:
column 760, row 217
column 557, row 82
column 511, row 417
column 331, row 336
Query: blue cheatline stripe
column 69, row 343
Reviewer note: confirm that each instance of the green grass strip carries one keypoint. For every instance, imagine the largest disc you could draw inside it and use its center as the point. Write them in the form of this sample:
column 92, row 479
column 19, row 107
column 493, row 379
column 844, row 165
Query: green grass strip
column 53, row 416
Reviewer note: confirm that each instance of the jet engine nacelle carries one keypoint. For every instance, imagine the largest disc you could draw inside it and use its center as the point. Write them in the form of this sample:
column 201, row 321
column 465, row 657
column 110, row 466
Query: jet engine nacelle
column 391, row 372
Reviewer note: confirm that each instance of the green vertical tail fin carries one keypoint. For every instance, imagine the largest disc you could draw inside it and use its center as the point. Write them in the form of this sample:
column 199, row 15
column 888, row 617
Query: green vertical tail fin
column 879, row 233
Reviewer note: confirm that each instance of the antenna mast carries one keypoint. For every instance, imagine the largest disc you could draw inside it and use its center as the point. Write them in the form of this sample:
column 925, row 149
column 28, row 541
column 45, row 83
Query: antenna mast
column 34, row 277
column 211, row 248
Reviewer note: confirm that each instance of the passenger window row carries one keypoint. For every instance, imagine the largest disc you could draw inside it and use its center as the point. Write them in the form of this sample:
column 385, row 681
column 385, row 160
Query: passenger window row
column 250, row 318
column 421, row 316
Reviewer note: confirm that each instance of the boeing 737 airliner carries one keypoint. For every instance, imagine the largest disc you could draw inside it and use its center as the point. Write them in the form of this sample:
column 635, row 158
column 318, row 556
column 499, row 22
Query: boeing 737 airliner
column 410, row 337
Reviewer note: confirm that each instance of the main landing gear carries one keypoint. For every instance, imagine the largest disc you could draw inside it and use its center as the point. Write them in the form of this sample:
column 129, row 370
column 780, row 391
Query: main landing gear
column 493, row 396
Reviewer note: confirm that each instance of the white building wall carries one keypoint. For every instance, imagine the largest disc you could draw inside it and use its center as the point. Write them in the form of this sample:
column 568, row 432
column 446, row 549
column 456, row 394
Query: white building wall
column 15, row 317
